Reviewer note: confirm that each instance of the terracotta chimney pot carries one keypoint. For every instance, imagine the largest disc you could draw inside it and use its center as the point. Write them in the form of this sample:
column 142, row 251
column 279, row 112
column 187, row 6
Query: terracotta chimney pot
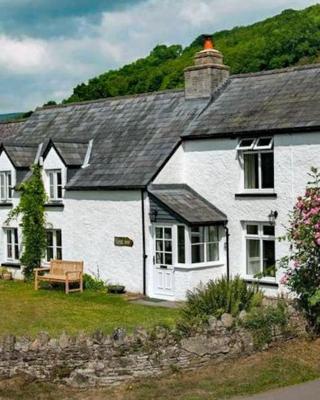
column 208, row 43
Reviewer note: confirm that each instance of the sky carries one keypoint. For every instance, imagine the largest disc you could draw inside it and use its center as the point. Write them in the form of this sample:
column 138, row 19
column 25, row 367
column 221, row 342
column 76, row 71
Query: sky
column 47, row 47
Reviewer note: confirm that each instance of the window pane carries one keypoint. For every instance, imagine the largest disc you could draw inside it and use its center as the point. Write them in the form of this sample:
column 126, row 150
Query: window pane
column 159, row 258
column 252, row 229
column 59, row 253
column 197, row 251
column 58, row 238
column 168, row 245
column 49, row 253
column 213, row 233
column 59, row 192
column 213, row 252
column 251, row 174
column 159, row 245
column 246, row 143
column 159, row 233
column 16, row 249
column 195, row 235
column 9, row 237
column 59, row 178
column 9, row 183
column 253, row 257
column 2, row 187
column 168, row 258
column 268, row 230
column 181, row 245
column 267, row 170
column 269, row 259
column 264, row 142
column 49, row 238
column 167, row 233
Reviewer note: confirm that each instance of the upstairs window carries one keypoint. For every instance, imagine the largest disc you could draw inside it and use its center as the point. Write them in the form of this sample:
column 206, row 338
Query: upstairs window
column 258, row 163
column 55, row 184
column 12, row 244
column 204, row 244
column 54, row 244
column 5, row 186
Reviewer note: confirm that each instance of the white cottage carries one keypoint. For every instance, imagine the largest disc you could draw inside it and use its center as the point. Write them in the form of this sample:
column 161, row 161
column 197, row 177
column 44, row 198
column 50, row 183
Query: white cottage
column 162, row 191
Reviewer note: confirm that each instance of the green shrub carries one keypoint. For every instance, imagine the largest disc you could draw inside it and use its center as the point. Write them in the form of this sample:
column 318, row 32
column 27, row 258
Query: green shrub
column 93, row 282
column 264, row 322
column 216, row 298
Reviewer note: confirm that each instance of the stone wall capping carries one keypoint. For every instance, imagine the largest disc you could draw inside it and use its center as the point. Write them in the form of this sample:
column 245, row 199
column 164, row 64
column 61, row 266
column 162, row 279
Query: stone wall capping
column 97, row 359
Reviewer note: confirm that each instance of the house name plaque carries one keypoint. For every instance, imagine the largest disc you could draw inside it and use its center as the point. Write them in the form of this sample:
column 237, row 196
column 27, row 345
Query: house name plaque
column 123, row 242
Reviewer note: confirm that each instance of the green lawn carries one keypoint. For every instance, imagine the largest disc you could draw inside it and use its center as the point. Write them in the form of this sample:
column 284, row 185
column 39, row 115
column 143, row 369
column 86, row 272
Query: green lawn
column 24, row 311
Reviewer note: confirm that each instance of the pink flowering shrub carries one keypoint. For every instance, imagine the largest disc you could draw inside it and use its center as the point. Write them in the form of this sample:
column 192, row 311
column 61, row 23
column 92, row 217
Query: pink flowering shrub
column 302, row 267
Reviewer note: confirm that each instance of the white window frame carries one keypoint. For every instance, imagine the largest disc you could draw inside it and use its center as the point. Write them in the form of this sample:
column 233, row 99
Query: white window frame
column 13, row 244
column 54, row 246
column 255, row 144
column 5, row 186
column 205, row 244
column 254, row 148
column 53, row 196
column 261, row 237
column 188, row 251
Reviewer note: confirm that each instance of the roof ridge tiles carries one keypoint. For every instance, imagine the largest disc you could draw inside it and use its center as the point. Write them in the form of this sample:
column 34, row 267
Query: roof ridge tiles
column 276, row 71
column 109, row 99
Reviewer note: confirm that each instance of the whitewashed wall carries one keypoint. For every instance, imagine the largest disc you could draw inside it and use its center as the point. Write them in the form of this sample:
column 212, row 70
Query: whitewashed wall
column 211, row 167
column 89, row 223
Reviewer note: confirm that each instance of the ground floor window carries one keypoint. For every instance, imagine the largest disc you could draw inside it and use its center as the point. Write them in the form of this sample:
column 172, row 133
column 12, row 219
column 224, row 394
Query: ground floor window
column 204, row 244
column 260, row 249
column 12, row 244
column 54, row 244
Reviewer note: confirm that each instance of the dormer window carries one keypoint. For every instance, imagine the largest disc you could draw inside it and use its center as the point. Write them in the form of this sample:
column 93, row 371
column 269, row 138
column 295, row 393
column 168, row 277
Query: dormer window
column 257, row 163
column 5, row 186
column 55, row 184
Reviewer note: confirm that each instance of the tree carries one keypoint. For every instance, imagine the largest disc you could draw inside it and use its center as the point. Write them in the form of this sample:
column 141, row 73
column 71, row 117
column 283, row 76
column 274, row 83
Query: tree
column 302, row 266
column 31, row 208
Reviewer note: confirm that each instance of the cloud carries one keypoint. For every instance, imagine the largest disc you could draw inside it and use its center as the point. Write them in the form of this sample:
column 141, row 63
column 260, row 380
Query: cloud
column 36, row 68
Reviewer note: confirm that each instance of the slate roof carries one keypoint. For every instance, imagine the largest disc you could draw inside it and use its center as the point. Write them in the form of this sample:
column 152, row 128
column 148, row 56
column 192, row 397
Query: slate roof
column 9, row 129
column 274, row 101
column 21, row 156
column 187, row 204
column 72, row 153
column 132, row 136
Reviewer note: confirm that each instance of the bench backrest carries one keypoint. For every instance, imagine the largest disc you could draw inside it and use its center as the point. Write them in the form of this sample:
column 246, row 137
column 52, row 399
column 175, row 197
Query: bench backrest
column 60, row 267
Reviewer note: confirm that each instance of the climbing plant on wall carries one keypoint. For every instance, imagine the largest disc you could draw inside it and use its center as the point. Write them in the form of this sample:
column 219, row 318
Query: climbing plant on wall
column 31, row 208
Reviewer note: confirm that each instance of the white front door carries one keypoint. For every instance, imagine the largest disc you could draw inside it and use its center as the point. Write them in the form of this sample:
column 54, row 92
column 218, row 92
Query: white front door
column 163, row 271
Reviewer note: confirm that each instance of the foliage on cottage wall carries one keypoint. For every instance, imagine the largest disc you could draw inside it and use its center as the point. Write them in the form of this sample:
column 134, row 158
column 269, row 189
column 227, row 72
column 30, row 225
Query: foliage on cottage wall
column 32, row 210
column 98, row 359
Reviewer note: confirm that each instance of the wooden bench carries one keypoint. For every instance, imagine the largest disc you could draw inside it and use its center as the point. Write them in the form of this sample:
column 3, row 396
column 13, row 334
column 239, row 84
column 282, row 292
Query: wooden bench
column 62, row 272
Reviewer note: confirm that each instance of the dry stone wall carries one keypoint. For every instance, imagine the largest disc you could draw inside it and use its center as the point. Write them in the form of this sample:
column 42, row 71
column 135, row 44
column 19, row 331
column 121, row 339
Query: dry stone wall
column 102, row 360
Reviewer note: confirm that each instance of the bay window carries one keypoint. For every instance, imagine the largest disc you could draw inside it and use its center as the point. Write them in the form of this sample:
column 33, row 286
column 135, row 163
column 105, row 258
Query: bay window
column 260, row 249
column 204, row 244
column 5, row 186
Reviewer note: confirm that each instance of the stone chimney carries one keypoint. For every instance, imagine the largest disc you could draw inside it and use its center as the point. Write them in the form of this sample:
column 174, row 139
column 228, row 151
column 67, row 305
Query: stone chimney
column 207, row 74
